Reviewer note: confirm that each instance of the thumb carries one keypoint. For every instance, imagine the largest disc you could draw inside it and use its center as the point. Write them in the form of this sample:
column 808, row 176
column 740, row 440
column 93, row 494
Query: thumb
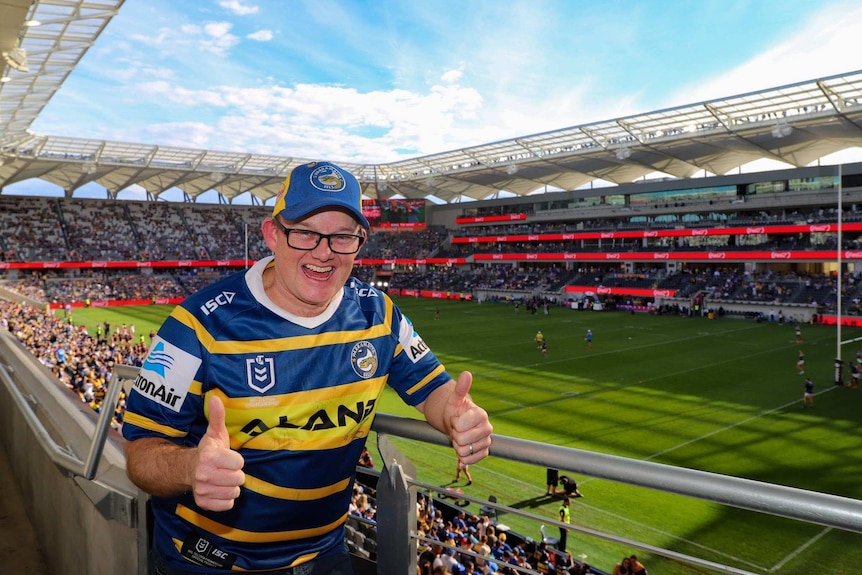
column 458, row 401
column 217, row 429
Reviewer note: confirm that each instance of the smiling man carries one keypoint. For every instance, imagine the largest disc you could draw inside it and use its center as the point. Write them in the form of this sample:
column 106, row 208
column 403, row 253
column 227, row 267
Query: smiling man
column 252, row 408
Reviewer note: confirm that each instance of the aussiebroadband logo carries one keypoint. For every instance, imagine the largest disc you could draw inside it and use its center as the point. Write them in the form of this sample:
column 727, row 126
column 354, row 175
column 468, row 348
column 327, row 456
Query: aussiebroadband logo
column 166, row 375
column 411, row 342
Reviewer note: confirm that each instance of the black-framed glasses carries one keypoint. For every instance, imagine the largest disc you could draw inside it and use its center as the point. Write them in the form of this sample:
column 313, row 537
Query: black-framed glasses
column 307, row 240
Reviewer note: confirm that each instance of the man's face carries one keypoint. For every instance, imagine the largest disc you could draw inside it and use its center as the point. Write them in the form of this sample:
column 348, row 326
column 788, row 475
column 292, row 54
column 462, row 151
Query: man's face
column 305, row 281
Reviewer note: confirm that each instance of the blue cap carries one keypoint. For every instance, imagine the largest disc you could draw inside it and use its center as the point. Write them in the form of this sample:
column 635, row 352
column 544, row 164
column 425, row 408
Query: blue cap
column 317, row 185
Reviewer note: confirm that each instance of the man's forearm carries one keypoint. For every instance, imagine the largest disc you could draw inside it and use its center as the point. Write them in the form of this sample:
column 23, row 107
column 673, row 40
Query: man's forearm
column 159, row 467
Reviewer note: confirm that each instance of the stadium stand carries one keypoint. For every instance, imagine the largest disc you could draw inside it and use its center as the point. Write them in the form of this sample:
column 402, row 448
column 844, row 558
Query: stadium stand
column 124, row 250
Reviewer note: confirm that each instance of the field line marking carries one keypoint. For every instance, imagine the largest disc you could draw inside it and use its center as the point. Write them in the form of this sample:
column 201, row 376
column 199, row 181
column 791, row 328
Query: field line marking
column 728, row 427
column 798, row 551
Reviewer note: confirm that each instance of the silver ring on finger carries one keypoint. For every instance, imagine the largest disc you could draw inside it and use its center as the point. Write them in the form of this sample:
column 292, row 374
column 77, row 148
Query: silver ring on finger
column 471, row 449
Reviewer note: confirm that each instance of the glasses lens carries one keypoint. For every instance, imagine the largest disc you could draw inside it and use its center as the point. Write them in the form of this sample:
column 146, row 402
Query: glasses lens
column 344, row 243
column 303, row 239
column 308, row 240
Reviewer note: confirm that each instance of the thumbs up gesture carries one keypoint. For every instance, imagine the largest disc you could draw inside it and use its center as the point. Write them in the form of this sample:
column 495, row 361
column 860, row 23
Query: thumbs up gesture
column 217, row 470
column 469, row 426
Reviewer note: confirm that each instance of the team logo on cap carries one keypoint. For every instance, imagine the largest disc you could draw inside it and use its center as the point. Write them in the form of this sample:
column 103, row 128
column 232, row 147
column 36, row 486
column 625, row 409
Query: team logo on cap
column 364, row 359
column 328, row 179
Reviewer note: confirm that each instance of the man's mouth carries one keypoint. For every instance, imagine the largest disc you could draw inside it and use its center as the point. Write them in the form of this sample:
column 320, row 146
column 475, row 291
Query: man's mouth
column 317, row 272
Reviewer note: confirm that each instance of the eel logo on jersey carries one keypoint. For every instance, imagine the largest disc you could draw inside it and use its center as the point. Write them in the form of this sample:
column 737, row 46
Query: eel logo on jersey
column 167, row 374
column 363, row 356
column 260, row 373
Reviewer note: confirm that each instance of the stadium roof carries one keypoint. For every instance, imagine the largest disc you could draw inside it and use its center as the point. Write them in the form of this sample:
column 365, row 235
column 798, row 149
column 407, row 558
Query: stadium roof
column 42, row 41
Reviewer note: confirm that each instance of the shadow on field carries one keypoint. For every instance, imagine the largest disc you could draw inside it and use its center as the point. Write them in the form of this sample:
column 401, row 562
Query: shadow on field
column 534, row 502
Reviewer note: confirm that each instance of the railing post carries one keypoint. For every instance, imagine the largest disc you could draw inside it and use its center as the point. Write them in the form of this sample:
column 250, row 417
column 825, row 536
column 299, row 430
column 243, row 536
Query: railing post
column 396, row 512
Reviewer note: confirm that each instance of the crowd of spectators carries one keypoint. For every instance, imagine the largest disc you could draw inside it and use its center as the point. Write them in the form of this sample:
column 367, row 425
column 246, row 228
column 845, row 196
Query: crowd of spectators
column 451, row 541
column 81, row 362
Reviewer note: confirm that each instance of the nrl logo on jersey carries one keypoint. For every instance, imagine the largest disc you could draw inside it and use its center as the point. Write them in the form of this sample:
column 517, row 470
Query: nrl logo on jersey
column 260, row 373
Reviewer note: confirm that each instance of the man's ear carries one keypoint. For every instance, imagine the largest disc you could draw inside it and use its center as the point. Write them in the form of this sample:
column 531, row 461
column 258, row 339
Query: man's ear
column 270, row 233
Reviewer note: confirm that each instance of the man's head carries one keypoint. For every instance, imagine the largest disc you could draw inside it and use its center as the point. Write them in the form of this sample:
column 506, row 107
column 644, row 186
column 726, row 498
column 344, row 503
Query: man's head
column 315, row 232
column 318, row 186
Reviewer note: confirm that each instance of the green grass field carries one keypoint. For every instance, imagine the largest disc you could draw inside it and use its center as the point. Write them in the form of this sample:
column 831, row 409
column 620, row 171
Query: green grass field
column 721, row 396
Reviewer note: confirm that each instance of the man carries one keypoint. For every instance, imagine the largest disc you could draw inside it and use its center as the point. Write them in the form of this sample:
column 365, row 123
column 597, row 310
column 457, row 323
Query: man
column 589, row 339
column 637, row 568
column 808, row 393
column 252, row 408
column 570, row 486
column 551, row 477
column 462, row 467
column 565, row 517
column 540, row 338
column 854, row 376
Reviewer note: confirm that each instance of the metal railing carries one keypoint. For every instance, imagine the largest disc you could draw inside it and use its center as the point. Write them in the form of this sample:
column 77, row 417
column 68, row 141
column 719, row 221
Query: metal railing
column 398, row 483
column 782, row 501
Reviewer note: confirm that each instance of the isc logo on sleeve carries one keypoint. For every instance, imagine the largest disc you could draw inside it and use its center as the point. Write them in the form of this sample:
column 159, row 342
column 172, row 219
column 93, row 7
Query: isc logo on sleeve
column 167, row 374
column 213, row 304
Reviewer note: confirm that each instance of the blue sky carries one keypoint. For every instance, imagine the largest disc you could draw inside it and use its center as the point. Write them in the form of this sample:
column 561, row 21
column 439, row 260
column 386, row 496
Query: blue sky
column 377, row 81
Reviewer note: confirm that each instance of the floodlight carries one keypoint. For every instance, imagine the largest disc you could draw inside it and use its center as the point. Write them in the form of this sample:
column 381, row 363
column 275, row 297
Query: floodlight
column 5, row 79
column 781, row 129
column 623, row 153
column 430, row 181
column 17, row 59
column 511, row 169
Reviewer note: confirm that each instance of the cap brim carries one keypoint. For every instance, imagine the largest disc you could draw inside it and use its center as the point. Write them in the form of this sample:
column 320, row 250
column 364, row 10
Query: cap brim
column 299, row 211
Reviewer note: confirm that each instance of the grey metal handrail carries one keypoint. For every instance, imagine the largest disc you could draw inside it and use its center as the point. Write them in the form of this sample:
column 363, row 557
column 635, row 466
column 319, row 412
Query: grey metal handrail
column 58, row 455
column 111, row 503
column 790, row 502
column 778, row 500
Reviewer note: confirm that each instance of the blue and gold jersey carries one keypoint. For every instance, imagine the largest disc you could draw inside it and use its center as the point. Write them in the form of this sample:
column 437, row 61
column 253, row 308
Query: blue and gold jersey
column 299, row 395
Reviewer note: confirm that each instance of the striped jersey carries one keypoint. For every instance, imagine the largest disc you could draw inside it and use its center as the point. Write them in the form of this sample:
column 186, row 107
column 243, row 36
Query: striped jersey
column 299, row 394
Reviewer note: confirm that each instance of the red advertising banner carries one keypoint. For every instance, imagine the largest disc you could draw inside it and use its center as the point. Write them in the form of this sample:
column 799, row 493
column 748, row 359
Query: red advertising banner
column 819, row 255
column 600, row 290
column 432, row 294
column 687, row 233
column 486, row 219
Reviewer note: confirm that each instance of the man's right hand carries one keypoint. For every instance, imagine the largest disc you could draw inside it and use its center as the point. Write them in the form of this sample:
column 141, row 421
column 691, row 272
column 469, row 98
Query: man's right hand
column 217, row 470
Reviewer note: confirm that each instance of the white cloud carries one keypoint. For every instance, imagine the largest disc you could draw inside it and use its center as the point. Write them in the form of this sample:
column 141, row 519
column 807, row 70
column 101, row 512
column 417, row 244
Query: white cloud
column 217, row 38
column 333, row 121
column 261, row 35
column 826, row 45
column 451, row 76
column 238, row 8
column 183, row 135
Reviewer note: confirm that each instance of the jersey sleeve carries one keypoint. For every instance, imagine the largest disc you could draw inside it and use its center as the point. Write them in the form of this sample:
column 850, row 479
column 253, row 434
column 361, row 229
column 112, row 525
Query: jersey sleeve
column 415, row 371
column 166, row 398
